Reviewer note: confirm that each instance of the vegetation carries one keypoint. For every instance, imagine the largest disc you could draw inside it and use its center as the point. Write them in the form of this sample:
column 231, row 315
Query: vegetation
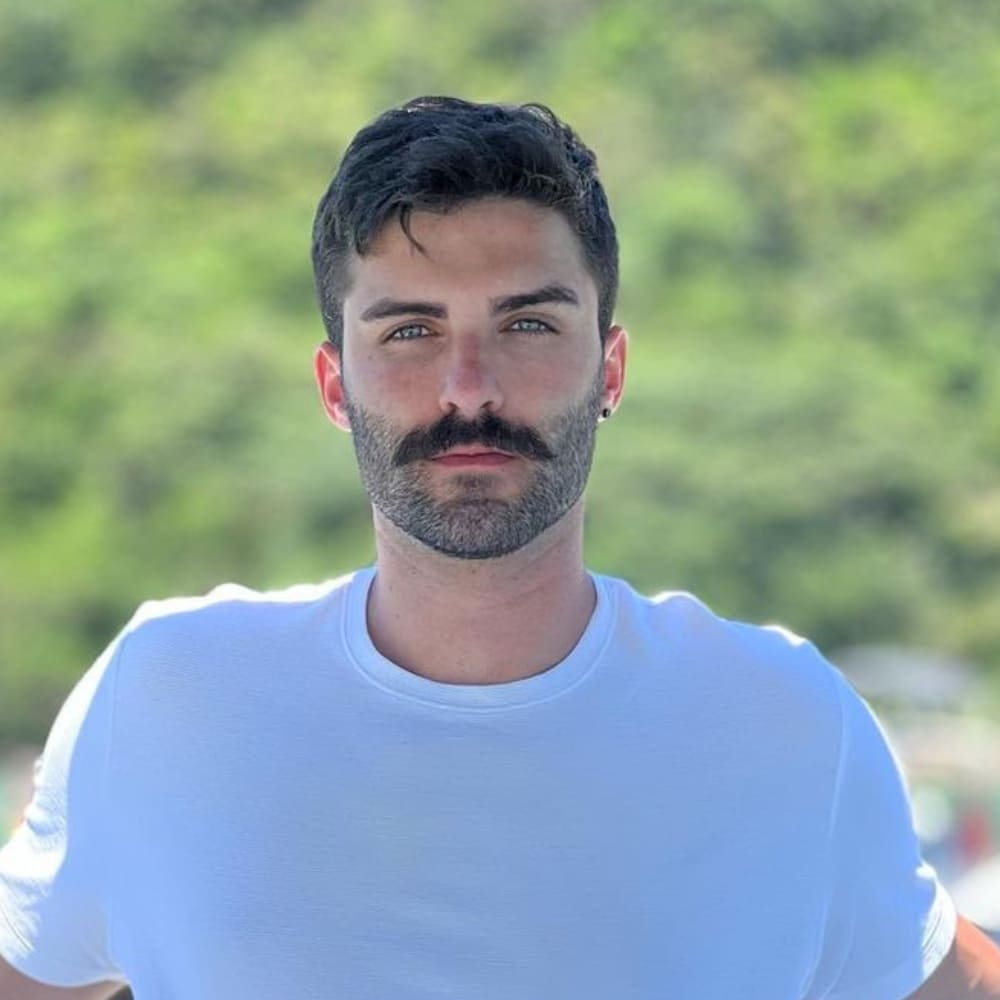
column 807, row 203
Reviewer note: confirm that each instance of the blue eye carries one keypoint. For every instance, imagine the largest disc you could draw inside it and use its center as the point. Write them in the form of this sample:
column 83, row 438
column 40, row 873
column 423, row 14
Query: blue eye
column 528, row 325
column 412, row 331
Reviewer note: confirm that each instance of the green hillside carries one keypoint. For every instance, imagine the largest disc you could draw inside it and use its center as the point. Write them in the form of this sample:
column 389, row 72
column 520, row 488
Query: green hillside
column 807, row 200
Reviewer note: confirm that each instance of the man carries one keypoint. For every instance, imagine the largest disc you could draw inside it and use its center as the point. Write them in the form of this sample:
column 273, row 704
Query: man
column 473, row 770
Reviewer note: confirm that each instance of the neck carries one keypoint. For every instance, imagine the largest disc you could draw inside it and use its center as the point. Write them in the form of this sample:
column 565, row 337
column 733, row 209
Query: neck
column 486, row 621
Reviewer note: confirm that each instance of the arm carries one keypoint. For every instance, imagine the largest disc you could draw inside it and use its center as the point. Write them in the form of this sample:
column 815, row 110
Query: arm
column 970, row 971
column 891, row 930
column 14, row 986
column 53, row 891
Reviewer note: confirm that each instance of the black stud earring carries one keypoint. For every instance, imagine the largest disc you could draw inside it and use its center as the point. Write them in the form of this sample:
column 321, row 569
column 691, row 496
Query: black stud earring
column 605, row 413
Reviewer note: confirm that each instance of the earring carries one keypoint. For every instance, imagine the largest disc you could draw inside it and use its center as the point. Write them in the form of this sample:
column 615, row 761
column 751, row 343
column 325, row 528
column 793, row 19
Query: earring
column 605, row 413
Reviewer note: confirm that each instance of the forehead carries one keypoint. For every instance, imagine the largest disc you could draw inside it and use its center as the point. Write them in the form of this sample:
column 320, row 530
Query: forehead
column 489, row 247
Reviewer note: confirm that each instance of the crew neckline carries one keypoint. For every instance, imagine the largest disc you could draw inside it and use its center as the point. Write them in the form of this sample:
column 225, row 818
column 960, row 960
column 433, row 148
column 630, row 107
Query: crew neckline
column 565, row 674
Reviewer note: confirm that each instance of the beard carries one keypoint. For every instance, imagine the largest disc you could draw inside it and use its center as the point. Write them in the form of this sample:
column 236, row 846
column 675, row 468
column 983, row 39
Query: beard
column 467, row 521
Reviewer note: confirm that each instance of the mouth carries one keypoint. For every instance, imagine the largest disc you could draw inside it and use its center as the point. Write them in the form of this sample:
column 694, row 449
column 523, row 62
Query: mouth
column 467, row 457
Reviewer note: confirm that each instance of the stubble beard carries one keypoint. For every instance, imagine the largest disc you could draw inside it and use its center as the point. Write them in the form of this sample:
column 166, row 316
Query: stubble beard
column 470, row 522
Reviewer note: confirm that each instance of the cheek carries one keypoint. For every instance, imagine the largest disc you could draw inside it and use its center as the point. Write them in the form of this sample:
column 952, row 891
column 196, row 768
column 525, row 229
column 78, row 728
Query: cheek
column 558, row 385
column 387, row 387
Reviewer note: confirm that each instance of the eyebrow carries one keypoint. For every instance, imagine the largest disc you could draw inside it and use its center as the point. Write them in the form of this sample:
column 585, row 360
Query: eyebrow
column 386, row 307
column 550, row 293
column 383, row 308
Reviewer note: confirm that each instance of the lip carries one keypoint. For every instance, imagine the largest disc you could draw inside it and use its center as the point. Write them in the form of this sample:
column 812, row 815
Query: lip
column 465, row 459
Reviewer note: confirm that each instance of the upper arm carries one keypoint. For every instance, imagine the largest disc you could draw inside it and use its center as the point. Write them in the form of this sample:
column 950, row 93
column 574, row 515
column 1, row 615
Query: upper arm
column 970, row 970
column 888, row 922
column 54, row 899
column 14, row 986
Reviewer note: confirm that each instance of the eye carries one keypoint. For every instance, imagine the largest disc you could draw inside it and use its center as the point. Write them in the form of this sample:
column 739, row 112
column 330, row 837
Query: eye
column 529, row 325
column 412, row 331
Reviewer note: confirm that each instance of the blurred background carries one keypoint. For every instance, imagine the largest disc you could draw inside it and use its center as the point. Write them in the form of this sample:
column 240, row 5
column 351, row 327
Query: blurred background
column 807, row 201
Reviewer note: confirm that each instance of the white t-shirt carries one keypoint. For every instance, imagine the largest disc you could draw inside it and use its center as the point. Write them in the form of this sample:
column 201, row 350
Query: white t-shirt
column 243, row 799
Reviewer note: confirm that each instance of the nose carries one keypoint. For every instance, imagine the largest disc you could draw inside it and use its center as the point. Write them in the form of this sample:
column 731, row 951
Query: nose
column 469, row 383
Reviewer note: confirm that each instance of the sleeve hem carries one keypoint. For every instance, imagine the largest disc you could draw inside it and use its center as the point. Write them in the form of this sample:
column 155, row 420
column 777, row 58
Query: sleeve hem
column 16, row 952
column 9, row 933
column 904, row 978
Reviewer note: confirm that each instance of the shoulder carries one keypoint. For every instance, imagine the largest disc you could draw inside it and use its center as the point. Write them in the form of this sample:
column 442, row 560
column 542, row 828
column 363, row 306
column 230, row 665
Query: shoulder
column 231, row 606
column 203, row 663
column 228, row 629
column 744, row 673
column 686, row 628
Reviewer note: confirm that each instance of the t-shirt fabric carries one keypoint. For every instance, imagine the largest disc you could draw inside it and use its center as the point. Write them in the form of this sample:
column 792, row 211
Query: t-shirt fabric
column 243, row 799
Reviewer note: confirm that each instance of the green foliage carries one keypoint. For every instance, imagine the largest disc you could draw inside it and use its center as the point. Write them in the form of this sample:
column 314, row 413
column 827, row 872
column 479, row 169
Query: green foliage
column 807, row 204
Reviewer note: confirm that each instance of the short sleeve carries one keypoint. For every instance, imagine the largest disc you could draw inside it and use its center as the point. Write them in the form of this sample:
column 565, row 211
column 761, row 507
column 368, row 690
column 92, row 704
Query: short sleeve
column 53, row 911
column 889, row 922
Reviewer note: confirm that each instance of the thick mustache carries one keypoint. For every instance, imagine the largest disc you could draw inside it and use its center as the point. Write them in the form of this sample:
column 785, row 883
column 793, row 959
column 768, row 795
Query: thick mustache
column 491, row 431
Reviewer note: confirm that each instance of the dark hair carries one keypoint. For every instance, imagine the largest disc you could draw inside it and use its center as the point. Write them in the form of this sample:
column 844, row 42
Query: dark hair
column 437, row 153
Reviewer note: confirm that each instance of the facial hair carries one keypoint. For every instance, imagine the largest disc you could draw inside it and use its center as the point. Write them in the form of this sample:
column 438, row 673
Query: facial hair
column 465, row 521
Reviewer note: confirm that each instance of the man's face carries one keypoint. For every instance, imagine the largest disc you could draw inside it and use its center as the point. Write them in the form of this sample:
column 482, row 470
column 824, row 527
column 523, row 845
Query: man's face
column 472, row 375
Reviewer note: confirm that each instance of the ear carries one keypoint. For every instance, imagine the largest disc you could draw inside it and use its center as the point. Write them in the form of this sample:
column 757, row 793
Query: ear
column 329, row 380
column 615, row 349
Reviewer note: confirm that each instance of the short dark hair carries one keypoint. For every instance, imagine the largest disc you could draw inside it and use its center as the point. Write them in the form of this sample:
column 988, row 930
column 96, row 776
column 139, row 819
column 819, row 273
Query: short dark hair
column 438, row 153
